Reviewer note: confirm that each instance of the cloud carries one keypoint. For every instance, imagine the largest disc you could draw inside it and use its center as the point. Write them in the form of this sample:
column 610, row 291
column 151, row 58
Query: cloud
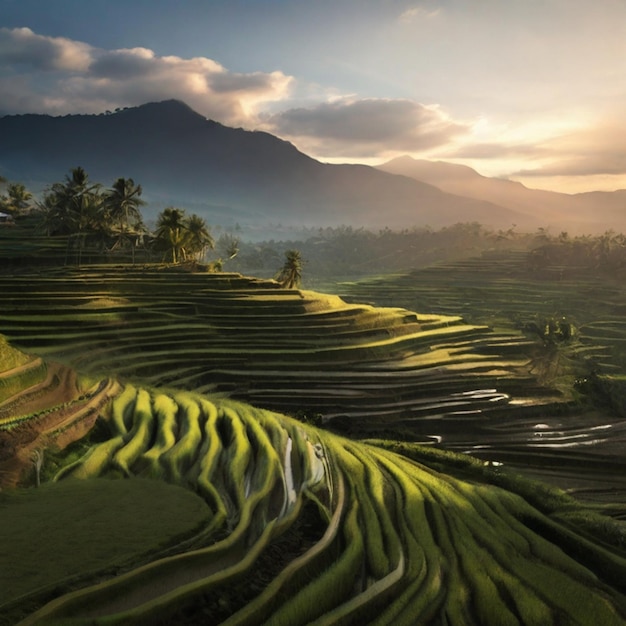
column 23, row 47
column 366, row 127
column 596, row 150
column 414, row 14
column 123, row 64
column 495, row 151
column 59, row 76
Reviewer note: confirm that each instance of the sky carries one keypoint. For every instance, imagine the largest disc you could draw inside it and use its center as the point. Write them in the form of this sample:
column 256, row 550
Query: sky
column 530, row 90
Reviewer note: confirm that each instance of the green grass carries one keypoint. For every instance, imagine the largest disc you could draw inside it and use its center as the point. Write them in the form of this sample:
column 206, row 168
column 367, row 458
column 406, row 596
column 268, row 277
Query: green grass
column 10, row 357
column 80, row 526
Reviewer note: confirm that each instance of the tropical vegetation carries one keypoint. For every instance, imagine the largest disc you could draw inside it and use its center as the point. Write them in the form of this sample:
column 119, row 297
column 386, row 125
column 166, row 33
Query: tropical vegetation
column 181, row 237
column 101, row 223
column 290, row 275
column 17, row 199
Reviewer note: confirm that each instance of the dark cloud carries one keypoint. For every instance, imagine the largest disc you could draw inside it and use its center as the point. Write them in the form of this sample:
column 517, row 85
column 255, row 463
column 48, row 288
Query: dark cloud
column 367, row 127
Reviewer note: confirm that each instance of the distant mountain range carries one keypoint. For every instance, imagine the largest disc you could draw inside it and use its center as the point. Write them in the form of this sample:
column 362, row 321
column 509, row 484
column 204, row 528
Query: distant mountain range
column 230, row 175
column 595, row 212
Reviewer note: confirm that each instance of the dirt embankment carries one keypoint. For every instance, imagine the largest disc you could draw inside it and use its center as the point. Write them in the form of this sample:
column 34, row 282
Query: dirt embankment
column 60, row 413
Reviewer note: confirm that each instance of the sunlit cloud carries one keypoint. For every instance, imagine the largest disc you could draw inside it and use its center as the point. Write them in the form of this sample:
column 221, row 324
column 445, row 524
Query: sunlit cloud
column 123, row 64
column 597, row 150
column 59, row 76
column 547, row 130
column 572, row 144
column 366, row 127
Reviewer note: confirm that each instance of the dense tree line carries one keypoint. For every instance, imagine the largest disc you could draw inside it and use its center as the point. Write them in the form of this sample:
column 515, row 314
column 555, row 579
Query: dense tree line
column 605, row 252
column 107, row 222
column 349, row 252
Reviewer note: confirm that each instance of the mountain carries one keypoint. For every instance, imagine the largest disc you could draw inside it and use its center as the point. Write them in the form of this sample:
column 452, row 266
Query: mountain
column 227, row 175
column 584, row 212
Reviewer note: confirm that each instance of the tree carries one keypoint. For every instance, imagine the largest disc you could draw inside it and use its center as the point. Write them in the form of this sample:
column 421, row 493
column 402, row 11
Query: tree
column 290, row 275
column 18, row 198
column 121, row 204
column 170, row 235
column 68, row 201
column 228, row 245
column 55, row 218
column 179, row 235
column 73, row 208
column 199, row 237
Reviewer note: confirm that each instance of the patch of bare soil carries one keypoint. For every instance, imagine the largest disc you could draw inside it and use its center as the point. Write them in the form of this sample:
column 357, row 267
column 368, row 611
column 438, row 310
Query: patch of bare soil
column 60, row 416
column 59, row 385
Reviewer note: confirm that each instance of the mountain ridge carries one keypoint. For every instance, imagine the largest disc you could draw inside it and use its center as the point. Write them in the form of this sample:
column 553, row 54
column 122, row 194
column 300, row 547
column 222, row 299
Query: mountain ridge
column 597, row 210
column 231, row 175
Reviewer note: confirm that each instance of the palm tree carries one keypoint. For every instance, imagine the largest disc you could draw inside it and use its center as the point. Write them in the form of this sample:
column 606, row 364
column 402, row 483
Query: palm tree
column 90, row 210
column 3, row 198
column 73, row 208
column 53, row 220
column 171, row 234
column 76, row 184
column 67, row 196
column 229, row 245
column 18, row 198
column 122, row 204
column 290, row 275
column 199, row 237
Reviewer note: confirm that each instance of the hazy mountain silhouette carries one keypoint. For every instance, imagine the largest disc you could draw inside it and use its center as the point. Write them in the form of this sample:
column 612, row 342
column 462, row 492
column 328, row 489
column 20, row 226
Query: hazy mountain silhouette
column 584, row 212
column 229, row 174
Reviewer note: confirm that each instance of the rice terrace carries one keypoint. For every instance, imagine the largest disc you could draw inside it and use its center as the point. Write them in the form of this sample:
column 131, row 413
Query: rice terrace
column 183, row 443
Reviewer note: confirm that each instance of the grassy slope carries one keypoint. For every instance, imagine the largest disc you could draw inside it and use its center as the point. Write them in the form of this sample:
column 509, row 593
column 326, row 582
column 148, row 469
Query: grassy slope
column 66, row 531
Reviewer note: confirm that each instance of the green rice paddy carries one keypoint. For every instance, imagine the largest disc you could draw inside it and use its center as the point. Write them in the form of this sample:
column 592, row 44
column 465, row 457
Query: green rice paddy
column 79, row 530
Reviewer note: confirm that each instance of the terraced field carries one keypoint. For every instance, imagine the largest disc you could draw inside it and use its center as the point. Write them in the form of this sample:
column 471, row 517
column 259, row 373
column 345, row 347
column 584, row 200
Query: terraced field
column 579, row 447
column 306, row 527
column 185, row 377
column 279, row 349
column 430, row 377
